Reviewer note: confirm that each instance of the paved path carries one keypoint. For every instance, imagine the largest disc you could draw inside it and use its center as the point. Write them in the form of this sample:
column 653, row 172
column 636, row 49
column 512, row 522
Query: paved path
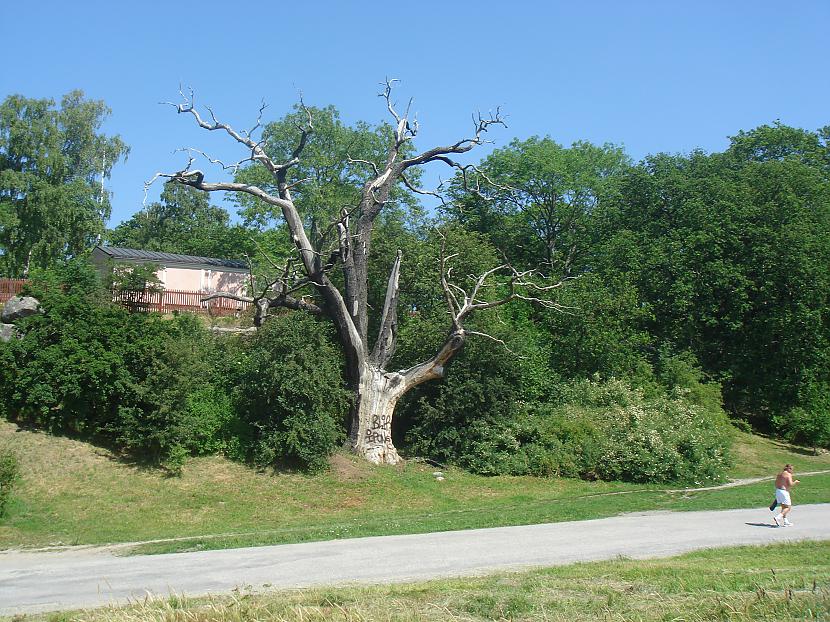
column 46, row 581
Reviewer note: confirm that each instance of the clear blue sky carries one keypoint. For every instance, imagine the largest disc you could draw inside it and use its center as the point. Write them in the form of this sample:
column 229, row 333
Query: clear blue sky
column 652, row 76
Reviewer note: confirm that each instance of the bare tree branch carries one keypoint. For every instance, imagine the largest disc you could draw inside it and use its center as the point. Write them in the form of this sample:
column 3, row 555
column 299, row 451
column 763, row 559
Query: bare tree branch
column 462, row 303
column 412, row 188
column 229, row 296
column 462, row 146
column 226, row 167
column 369, row 163
column 257, row 151
column 386, row 341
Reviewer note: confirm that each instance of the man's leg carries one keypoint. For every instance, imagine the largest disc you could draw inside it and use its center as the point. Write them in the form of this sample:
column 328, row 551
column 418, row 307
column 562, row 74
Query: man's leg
column 785, row 510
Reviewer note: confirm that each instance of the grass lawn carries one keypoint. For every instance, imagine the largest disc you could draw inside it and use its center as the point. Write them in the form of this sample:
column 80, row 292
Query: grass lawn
column 778, row 582
column 74, row 493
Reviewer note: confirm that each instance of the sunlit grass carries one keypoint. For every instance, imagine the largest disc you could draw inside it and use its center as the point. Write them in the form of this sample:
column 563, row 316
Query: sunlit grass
column 74, row 493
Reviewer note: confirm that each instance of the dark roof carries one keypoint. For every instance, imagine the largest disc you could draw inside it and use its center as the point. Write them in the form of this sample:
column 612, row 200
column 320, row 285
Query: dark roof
column 133, row 253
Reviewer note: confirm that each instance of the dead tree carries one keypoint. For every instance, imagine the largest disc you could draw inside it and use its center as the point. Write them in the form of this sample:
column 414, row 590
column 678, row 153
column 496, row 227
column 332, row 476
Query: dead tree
column 346, row 246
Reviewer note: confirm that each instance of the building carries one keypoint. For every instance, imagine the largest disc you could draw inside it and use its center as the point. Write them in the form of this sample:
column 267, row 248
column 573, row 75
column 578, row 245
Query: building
column 180, row 272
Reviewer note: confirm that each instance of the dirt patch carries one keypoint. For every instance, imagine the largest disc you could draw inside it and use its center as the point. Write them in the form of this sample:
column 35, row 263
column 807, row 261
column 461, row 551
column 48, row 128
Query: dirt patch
column 347, row 468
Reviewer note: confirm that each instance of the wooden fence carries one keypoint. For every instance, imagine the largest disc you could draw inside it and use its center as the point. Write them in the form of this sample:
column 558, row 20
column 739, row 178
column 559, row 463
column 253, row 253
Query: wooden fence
column 10, row 288
column 170, row 300
column 164, row 301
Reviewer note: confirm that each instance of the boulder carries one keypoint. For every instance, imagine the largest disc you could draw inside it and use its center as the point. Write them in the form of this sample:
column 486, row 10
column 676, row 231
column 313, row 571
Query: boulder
column 7, row 332
column 19, row 307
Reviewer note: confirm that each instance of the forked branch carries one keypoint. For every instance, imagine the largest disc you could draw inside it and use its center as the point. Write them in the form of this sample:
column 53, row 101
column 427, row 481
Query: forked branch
column 520, row 285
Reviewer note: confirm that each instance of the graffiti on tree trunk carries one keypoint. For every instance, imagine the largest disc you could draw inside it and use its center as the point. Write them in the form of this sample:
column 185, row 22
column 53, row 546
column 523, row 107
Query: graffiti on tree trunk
column 378, row 432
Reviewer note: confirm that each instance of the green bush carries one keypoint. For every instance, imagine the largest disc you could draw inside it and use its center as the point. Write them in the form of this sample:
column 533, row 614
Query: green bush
column 209, row 420
column 806, row 426
column 9, row 476
column 470, row 417
column 289, row 394
column 666, row 437
column 664, row 440
column 808, row 423
column 88, row 368
column 593, row 429
column 164, row 389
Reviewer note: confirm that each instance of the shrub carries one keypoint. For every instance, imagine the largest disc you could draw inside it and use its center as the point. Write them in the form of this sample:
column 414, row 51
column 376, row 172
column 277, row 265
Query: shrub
column 626, row 435
column 88, row 368
column 209, row 421
column 470, row 418
column 589, row 428
column 682, row 372
column 9, row 476
column 666, row 439
column 169, row 363
column 289, row 394
column 809, row 424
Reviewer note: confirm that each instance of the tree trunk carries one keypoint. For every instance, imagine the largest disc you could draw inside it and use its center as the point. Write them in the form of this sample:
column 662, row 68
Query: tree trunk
column 378, row 392
column 371, row 430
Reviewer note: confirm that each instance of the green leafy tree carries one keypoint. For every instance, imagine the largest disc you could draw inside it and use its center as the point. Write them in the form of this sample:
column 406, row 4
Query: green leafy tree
column 544, row 197
column 730, row 252
column 51, row 163
column 336, row 158
column 184, row 222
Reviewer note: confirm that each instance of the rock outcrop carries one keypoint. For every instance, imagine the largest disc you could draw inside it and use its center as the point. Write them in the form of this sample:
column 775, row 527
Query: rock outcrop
column 19, row 307
column 16, row 309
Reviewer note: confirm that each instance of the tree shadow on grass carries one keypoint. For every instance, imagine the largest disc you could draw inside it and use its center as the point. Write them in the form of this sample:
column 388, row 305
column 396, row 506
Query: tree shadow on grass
column 102, row 447
column 788, row 446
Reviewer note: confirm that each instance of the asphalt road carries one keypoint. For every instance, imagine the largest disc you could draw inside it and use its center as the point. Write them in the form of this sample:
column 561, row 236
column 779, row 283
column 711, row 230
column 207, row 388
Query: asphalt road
column 80, row 578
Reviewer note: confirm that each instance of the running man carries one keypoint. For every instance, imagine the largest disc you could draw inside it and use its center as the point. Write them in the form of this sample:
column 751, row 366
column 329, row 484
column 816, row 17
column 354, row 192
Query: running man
column 783, row 483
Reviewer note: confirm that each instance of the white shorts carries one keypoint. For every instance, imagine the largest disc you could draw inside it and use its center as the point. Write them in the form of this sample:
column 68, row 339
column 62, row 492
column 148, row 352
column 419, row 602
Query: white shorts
column 783, row 496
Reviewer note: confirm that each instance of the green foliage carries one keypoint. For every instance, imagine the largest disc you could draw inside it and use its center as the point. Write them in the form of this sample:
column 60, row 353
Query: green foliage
column 543, row 203
column 805, row 426
column 91, row 369
column 169, row 363
column 9, row 476
column 334, row 166
column 481, row 419
column 135, row 278
column 161, row 390
column 809, row 424
column 184, row 222
column 135, row 286
column 289, row 394
column 616, row 432
column 51, row 162
column 682, row 373
column 730, row 253
column 601, row 331
column 210, row 421
column 468, row 419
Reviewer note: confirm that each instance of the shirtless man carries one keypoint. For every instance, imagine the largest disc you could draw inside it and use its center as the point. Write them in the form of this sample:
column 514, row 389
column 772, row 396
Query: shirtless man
column 783, row 483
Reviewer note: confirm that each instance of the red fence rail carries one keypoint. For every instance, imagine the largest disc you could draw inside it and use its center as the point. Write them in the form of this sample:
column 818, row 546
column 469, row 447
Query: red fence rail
column 164, row 301
column 10, row 288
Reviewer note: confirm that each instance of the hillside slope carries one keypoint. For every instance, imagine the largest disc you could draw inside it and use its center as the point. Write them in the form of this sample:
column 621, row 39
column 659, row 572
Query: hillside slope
column 73, row 493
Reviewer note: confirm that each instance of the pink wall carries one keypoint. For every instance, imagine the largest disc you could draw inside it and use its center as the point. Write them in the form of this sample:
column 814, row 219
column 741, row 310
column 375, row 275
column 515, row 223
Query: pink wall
column 200, row 280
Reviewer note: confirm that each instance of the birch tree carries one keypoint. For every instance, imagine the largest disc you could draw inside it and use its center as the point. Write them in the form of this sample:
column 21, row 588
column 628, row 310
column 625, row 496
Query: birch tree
column 53, row 161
